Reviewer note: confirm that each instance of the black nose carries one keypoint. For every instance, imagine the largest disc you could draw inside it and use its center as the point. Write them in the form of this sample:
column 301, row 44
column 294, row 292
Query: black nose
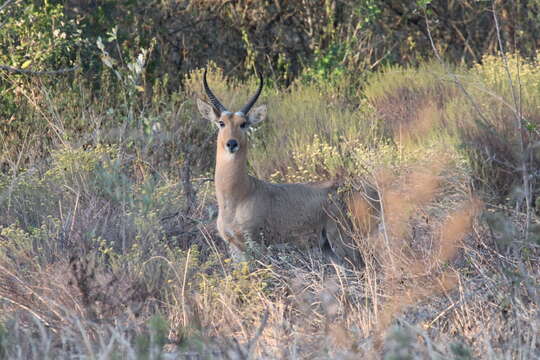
column 232, row 145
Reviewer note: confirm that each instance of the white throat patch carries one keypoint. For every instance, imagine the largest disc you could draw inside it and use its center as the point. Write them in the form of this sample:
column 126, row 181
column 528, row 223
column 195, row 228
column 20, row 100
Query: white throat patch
column 228, row 155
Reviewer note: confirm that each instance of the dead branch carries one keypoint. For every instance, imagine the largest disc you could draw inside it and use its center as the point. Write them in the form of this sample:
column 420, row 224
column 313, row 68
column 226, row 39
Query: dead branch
column 37, row 73
column 6, row 4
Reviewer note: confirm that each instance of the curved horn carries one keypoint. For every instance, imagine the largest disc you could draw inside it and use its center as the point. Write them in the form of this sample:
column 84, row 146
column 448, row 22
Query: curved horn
column 213, row 99
column 252, row 101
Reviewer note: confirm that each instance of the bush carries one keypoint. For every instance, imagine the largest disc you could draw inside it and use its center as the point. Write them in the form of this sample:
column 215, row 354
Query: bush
column 34, row 36
column 490, row 124
column 476, row 107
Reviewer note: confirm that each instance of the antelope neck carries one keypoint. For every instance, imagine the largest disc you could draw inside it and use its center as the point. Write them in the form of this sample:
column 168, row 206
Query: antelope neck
column 231, row 178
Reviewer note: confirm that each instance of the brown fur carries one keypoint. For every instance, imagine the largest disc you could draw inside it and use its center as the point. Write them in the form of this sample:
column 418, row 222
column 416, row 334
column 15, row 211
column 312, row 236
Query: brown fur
column 266, row 213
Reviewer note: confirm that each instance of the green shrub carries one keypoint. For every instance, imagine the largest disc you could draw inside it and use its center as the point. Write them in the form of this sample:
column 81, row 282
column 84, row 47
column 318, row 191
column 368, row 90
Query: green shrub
column 37, row 36
column 409, row 101
column 489, row 121
column 150, row 345
column 474, row 107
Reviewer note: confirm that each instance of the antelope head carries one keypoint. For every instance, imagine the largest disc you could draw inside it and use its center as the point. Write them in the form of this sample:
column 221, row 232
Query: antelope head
column 233, row 127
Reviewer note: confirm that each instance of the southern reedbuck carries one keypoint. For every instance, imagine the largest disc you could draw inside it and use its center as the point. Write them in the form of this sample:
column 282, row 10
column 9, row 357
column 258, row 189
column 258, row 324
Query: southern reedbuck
column 254, row 210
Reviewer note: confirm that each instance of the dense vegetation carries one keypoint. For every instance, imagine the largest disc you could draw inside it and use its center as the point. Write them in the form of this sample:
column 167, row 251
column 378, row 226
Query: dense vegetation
column 108, row 246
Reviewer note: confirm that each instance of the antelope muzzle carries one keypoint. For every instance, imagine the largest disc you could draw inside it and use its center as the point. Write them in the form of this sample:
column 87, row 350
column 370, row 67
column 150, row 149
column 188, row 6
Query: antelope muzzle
column 232, row 146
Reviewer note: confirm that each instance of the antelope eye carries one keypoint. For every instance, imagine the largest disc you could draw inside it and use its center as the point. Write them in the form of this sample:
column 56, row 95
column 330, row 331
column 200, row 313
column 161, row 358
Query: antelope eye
column 221, row 124
column 243, row 125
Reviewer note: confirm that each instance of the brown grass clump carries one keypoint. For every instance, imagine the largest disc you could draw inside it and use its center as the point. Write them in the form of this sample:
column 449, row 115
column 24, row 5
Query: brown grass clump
column 401, row 198
column 363, row 213
column 424, row 275
column 408, row 103
column 427, row 120
column 454, row 229
column 410, row 275
column 62, row 292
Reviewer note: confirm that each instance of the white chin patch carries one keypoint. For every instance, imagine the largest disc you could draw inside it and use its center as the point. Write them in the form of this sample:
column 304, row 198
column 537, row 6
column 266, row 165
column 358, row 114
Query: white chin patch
column 231, row 153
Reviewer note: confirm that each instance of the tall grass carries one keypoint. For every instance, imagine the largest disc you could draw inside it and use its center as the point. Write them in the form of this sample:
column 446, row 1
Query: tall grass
column 108, row 246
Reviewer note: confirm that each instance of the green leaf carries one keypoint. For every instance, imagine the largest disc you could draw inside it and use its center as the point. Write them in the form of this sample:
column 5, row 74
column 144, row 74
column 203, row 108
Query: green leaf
column 26, row 64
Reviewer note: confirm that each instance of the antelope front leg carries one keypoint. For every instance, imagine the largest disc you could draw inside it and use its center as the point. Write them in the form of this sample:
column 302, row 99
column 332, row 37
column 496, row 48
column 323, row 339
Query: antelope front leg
column 236, row 247
column 237, row 255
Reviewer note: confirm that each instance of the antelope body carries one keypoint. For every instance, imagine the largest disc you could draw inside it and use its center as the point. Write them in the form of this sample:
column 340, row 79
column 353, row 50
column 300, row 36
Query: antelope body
column 254, row 210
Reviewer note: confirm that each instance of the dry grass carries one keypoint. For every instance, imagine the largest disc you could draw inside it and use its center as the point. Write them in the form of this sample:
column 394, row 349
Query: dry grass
column 431, row 275
column 112, row 251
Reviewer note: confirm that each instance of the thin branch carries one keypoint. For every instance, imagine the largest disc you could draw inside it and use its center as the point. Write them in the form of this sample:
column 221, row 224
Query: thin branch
column 498, row 98
column 2, row 7
column 29, row 309
column 199, row 21
column 507, row 70
column 6, row 4
column 37, row 73
column 253, row 341
column 454, row 76
column 519, row 124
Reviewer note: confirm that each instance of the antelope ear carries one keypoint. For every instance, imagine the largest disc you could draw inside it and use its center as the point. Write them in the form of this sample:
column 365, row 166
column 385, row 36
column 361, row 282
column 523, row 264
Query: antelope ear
column 257, row 115
column 207, row 111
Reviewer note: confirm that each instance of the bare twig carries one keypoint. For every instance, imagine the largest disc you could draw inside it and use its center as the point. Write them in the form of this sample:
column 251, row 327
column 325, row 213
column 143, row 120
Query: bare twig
column 7, row 3
column 519, row 125
column 199, row 21
column 253, row 341
column 37, row 73
column 183, row 292
column 452, row 75
column 27, row 308
column 2, row 7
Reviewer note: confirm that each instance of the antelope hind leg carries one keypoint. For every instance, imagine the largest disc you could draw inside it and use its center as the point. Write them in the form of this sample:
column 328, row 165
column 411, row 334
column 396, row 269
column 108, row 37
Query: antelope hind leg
column 326, row 247
column 340, row 246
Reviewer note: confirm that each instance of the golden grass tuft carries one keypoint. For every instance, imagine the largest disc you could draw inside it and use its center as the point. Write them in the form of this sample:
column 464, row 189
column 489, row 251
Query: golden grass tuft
column 424, row 278
column 427, row 119
column 455, row 227
column 363, row 213
column 402, row 197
